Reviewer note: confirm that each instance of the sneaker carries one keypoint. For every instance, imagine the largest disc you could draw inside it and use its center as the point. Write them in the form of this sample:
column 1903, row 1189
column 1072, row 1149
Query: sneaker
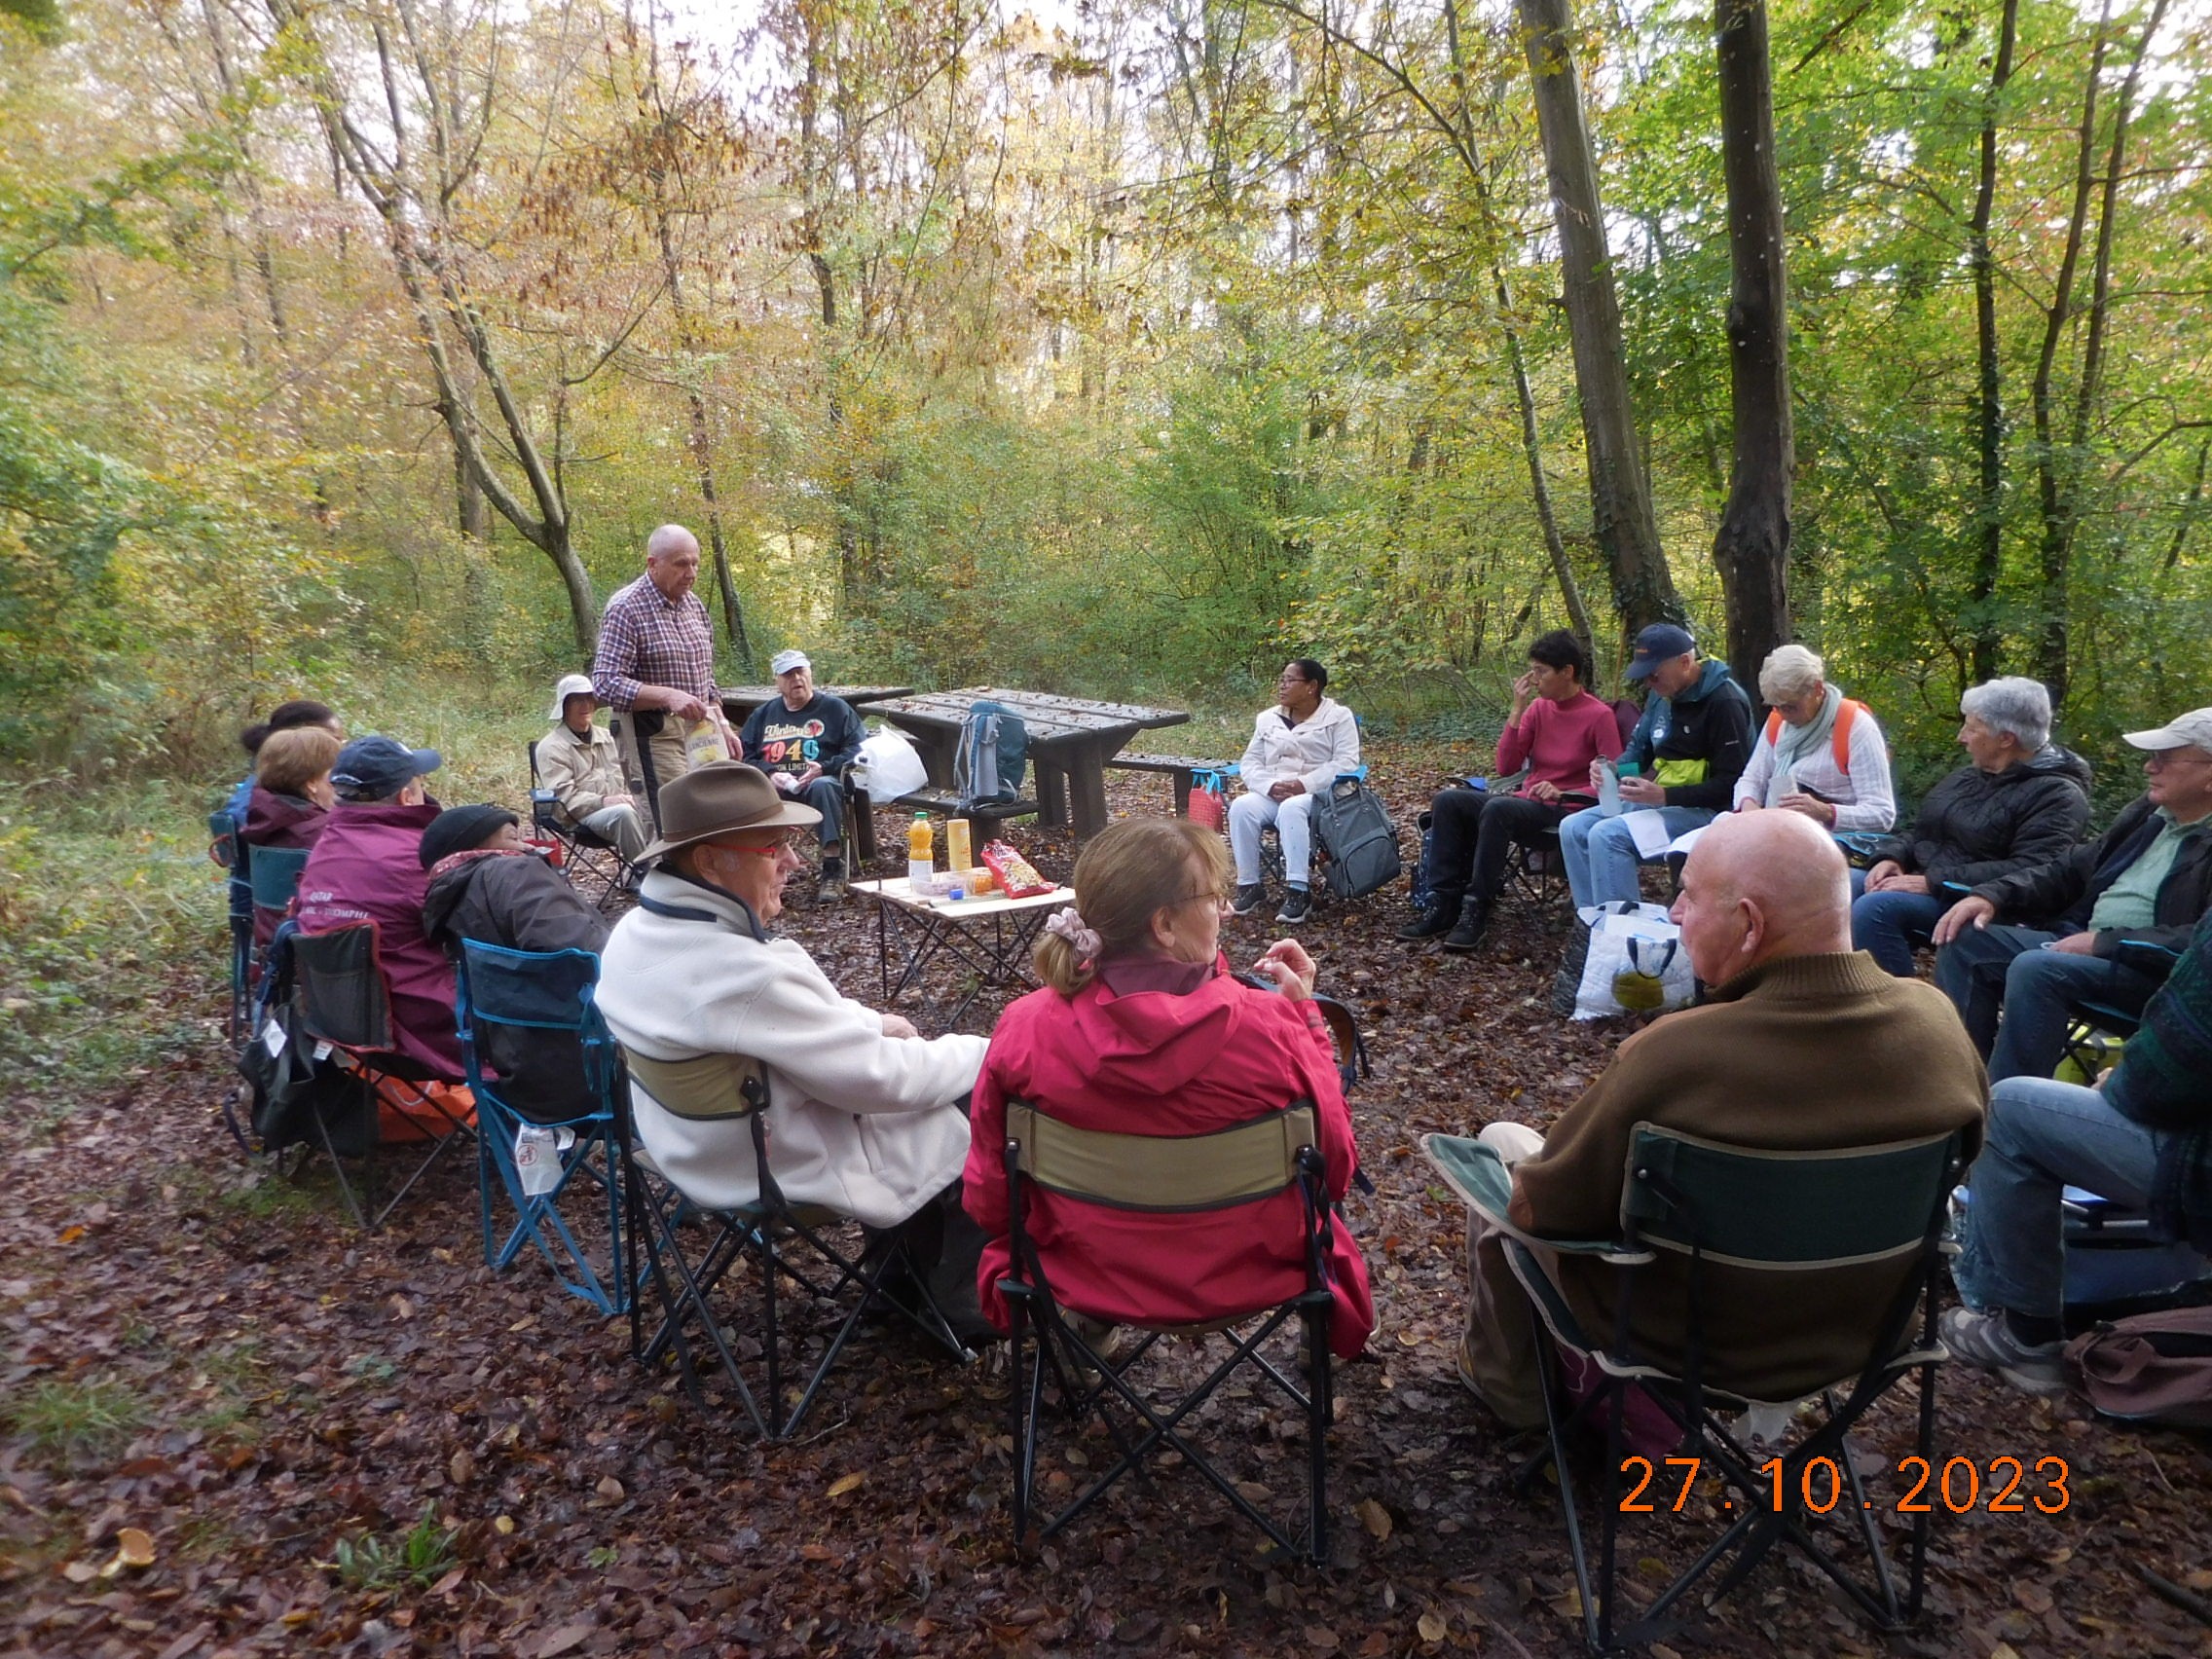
column 1297, row 907
column 1986, row 1339
column 1430, row 924
column 1250, row 897
column 832, row 883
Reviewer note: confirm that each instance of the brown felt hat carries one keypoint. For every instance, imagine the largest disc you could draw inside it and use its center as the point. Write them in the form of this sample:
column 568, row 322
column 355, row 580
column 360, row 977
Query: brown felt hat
column 720, row 799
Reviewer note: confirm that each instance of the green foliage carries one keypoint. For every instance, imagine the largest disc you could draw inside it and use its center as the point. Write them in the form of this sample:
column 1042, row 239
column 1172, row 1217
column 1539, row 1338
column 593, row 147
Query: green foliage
column 88, row 1419
column 420, row 1557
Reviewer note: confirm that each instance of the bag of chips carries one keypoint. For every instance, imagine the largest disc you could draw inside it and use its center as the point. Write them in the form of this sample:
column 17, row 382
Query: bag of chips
column 1016, row 876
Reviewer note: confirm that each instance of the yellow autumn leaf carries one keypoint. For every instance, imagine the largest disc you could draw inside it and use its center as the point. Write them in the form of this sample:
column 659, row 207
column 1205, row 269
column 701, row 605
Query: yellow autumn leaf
column 844, row 1484
column 134, row 1547
column 1431, row 1627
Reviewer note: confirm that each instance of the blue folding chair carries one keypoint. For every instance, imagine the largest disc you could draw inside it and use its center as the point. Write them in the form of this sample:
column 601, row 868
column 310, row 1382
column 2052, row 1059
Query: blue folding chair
column 549, row 996
column 227, row 848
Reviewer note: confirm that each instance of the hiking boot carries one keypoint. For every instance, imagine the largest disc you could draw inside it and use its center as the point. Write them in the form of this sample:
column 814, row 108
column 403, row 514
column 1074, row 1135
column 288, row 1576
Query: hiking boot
column 832, row 884
column 1474, row 921
column 1986, row 1339
column 1250, row 897
column 1432, row 923
column 1297, row 907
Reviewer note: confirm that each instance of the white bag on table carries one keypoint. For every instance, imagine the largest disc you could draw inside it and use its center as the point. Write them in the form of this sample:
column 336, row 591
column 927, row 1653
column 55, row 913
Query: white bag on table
column 1636, row 963
column 888, row 766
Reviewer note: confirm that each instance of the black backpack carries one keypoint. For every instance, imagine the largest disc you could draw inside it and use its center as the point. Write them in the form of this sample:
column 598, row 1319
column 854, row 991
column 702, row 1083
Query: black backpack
column 1361, row 841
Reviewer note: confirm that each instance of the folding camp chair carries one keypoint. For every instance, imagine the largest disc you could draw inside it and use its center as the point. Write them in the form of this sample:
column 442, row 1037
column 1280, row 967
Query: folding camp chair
column 548, row 995
column 274, row 876
column 1271, row 867
column 1781, row 1213
column 805, row 1257
column 1143, row 1412
column 2095, row 1037
column 589, row 862
column 339, row 1004
column 227, row 849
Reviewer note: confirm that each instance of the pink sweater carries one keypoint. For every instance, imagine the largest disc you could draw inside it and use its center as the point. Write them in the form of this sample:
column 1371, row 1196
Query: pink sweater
column 1559, row 740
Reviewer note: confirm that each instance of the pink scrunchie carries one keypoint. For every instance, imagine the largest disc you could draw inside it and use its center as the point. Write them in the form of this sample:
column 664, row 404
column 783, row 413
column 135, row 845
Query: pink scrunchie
column 1068, row 924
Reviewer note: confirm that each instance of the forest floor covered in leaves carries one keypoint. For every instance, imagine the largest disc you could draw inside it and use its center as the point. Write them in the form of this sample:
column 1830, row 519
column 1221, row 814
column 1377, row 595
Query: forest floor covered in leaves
column 235, row 1425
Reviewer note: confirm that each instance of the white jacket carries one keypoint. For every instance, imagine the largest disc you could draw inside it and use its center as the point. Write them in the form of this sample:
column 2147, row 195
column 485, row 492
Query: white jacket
column 1313, row 751
column 865, row 1124
column 1863, row 796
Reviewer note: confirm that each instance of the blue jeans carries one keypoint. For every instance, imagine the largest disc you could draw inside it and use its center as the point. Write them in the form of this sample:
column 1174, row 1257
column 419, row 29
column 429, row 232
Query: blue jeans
column 2042, row 1138
column 1888, row 925
column 1985, row 969
column 1601, row 853
column 827, row 796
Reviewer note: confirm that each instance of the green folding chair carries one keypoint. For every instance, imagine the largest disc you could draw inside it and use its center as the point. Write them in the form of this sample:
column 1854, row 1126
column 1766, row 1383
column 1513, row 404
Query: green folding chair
column 1781, row 1213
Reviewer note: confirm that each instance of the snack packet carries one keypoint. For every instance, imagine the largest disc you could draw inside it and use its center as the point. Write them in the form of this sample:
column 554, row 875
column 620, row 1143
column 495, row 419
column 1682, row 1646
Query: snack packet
column 1017, row 878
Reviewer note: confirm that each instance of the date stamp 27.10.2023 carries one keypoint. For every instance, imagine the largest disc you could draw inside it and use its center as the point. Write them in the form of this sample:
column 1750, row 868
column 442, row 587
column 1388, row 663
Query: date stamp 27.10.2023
column 2006, row 1485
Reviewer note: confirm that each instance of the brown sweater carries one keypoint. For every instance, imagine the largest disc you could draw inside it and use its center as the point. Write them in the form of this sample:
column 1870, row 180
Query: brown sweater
column 1800, row 1053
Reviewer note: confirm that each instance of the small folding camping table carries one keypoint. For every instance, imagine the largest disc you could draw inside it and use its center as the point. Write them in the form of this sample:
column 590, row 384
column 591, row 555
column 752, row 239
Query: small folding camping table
column 990, row 937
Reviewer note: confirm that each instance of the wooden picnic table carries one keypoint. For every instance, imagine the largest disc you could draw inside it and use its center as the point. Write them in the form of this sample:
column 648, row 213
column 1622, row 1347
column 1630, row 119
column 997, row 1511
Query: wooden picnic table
column 1070, row 741
column 739, row 701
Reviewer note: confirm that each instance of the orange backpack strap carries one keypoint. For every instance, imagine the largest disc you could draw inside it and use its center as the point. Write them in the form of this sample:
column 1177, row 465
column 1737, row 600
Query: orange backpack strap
column 1839, row 739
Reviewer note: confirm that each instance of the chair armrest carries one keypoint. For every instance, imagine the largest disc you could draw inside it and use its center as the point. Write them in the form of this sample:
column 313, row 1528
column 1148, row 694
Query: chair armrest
column 1485, row 1186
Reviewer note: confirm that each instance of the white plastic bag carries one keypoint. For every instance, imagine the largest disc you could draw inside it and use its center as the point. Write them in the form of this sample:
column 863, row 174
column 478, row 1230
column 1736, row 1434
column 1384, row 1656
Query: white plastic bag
column 1636, row 964
column 888, row 768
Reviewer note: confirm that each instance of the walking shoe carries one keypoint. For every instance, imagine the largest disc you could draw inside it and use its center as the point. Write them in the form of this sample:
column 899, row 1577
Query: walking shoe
column 832, row 883
column 1430, row 924
column 1297, row 905
column 1473, row 923
column 1986, row 1339
column 1250, row 897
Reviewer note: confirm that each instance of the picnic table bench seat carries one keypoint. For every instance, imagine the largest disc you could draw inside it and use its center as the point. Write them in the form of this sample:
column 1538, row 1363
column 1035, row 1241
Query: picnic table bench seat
column 1180, row 768
column 986, row 815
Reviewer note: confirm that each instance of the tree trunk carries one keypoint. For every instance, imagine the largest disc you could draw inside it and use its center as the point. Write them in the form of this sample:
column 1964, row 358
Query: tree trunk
column 1620, row 497
column 1988, row 406
column 1751, row 548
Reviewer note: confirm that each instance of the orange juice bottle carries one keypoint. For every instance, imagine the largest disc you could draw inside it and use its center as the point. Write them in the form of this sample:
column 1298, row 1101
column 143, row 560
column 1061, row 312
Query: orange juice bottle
column 921, row 850
column 957, row 848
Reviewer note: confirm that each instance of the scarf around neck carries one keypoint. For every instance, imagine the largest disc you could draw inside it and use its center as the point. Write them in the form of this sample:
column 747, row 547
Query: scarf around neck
column 1796, row 742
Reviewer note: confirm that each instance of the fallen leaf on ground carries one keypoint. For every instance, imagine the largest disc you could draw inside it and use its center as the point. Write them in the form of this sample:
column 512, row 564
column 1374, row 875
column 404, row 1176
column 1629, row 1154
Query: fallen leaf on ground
column 844, row 1484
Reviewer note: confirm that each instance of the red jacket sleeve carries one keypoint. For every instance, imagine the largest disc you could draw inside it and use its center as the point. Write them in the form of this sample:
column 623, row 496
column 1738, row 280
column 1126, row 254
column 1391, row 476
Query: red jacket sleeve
column 1515, row 740
column 982, row 1183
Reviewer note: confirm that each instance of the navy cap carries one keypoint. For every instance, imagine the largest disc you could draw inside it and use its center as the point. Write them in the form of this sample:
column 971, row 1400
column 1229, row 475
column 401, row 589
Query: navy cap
column 1660, row 642
column 460, row 828
column 370, row 769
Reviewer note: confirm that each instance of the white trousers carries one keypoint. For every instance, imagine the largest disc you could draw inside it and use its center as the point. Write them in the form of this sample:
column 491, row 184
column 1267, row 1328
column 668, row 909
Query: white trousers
column 1293, row 819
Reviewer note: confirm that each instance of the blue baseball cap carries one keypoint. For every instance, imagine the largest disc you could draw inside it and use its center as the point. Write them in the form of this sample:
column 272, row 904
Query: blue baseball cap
column 1660, row 642
column 370, row 769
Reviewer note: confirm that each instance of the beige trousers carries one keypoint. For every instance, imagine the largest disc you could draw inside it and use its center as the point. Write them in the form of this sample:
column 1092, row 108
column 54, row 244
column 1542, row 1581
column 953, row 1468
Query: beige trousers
column 1497, row 1353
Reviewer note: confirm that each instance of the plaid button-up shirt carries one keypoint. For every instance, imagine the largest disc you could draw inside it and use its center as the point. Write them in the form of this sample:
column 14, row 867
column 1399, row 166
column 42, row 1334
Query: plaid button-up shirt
column 645, row 640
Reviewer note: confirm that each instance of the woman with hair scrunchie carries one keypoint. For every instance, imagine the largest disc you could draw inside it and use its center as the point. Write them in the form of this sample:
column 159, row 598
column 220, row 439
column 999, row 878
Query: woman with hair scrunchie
column 1141, row 1029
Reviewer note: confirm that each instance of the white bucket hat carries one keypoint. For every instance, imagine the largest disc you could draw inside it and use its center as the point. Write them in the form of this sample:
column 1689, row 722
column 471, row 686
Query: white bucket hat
column 571, row 685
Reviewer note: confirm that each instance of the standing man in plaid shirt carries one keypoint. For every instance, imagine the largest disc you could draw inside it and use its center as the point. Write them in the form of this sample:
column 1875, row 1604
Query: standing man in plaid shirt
column 655, row 664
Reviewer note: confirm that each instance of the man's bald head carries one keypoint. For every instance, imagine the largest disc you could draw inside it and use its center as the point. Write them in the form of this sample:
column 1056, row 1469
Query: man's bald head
column 1761, row 885
column 671, row 560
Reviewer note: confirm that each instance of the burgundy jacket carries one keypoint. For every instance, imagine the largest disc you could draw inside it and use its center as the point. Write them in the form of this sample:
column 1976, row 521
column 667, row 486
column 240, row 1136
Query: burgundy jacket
column 365, row 867
column 1157, row 1063
column 278, row 821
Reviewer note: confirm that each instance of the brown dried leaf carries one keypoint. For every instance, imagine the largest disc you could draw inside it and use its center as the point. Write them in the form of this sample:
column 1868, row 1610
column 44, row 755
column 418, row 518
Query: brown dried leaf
column 610, row 1490
column 460, row 1467
column 134, row 1547
column 1374, row 1517
column 1321, row 1637
column 1432, row 1627
column 844, row 1484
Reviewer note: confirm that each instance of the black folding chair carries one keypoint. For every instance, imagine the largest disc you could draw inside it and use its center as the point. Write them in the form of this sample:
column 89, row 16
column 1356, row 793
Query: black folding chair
column 548, row 996
column 1783, row 1213
column 339, row 1004
column 818, row 1272
column 589, row 862
column 1141, row 1409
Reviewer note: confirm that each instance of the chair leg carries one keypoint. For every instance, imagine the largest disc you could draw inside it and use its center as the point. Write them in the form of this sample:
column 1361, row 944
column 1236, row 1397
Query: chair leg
column 1596, row 1631
column 1320, row 1412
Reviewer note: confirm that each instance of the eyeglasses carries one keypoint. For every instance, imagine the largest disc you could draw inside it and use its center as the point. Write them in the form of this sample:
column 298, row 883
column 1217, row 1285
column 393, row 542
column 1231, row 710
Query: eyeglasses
column 1213, row 895
column 1290, row 679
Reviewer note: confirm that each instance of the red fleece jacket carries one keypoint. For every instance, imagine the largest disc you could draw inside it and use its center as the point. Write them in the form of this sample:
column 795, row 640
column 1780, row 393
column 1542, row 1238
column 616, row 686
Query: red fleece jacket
column 1559, row 741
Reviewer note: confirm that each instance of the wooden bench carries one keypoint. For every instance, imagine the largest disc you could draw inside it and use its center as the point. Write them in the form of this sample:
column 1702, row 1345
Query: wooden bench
column 1179, row 767
column 984, row 815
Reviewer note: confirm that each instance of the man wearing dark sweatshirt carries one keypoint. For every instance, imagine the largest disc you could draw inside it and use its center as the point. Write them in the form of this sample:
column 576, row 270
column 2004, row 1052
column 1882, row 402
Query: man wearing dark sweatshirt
column 1681, row 761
